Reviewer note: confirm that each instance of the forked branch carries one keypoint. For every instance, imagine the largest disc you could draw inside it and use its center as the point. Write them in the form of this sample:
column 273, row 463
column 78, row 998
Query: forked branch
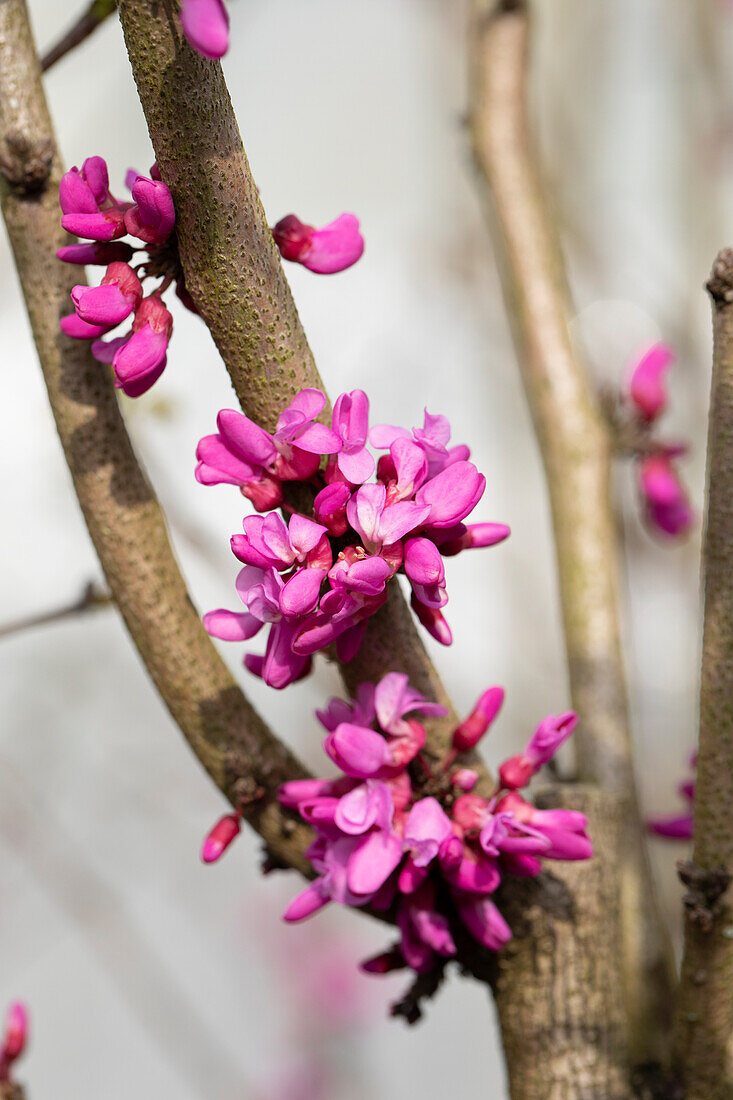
column 120, row 508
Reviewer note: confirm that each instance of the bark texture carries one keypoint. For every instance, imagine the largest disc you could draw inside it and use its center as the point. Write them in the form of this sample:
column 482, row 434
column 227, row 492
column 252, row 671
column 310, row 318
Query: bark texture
column 576, row 451
column 704, row 1026
column 235, row 276
column 558, row 993
column 120, row 508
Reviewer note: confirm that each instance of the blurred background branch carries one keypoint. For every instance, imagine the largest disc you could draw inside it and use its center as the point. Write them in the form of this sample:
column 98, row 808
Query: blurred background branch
column 85, row 25
column 576, row 451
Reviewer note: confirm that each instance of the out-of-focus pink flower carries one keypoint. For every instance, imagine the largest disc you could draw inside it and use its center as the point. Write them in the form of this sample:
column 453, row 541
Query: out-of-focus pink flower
column 325, row 251
column 219, row 838
column 666, row 504
column 15, row 1038
column 677, row 826
column 468, row 734
column 205, row 24
column 647, row 380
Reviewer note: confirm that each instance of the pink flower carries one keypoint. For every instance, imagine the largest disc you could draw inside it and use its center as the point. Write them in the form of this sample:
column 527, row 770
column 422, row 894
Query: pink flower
column 90, row 210
column 383, row 838
column 220, row 837
column 205, row 24
column 325, row 251
column 119, row 294
column 351, row 424
column 678, row 826
column 544, row 743
column 646, row 382
column 666, row 505
column 15, row 1038
column 153, row 216
column 473, row 728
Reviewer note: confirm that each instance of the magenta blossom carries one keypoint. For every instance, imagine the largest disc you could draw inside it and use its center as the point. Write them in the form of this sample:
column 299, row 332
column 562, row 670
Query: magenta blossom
column 205, row 24
column 646, row 384
column 325, row 251
column 89, row 209
column 322, row 591
column 665, row 504
column 15, row 1039
column 397, row 833
column 678, row 826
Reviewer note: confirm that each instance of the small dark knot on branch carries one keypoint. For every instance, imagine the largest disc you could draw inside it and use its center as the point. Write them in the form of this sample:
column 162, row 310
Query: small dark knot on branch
column 25, row 164
column 651, row 1082
column 720, row 283
column 704, row 889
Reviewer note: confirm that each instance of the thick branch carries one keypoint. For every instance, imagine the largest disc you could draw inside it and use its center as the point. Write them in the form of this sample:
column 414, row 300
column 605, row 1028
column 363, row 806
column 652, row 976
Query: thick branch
column 122, row 514
column 559, row 999
column 576, row 451
column 704, row 1026
column 234, row 273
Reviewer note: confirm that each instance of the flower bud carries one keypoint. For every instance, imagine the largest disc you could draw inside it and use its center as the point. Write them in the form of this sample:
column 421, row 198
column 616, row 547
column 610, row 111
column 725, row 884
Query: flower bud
column 220, row 837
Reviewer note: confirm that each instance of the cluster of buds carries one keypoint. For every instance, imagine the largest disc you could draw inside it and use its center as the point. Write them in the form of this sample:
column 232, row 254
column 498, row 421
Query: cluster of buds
column 665, row 503
column 90, row 210
column 395, row 834
column 15, row 1038
column 678, row 826
column 318, row 578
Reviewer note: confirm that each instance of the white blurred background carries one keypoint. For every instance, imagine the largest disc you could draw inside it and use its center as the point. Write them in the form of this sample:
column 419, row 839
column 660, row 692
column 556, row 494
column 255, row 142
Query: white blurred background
column 147, row 973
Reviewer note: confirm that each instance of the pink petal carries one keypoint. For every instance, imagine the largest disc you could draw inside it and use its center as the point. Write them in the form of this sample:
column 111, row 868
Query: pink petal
column 231, row 626
column 358, row 751
column 142, row 353
column 335, row 247
column 205, row 24
column 372, row 862
column 213, row 452
column 306, row 903
column 453, row 494
column 101, row 305
column 423, row 563
column 400, row 518
column 246, row 437
column 300, row 594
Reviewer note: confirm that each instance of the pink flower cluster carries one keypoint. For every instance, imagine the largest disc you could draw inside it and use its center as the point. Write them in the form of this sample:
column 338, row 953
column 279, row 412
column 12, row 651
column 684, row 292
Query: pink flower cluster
column 317, row 579
column 415, row 840
column 14, row 1040
column 666, row 505
column 205, row 24
column 90, row 210
column 678, row 826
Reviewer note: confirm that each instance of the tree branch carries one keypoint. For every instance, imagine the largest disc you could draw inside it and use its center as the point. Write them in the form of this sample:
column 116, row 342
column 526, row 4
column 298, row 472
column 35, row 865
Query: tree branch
column 85, row 25
column 90, row 598
column 704, row 1024
column 235, row 276
column 559, row 999
column 576, row 451
column 120, row 509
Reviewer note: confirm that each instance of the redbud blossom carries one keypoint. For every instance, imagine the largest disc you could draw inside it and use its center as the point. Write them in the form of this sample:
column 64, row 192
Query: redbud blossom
column 15, row 1038
column 325, row 251
column 220, row 837
column 473, row 728
column 646, row 384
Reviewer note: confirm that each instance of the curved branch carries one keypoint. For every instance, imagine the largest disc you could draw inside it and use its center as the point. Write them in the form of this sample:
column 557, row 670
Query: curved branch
column 703, row 1044
column 84, row 26
column 123, row 516
column 576, row 450
column 234, row 274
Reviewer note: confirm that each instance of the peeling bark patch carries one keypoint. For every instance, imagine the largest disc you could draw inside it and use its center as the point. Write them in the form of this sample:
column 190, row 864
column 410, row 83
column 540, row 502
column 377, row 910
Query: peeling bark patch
column 704, row 890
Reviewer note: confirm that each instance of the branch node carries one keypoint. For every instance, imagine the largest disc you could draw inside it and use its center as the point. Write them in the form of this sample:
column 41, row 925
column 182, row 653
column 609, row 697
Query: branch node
column 25, row 163
column 720, row 283
column 704, row 889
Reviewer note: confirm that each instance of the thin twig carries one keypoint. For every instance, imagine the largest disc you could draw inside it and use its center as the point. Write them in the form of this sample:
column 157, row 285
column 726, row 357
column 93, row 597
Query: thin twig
column 123, row 516
column 576, row 450
column 90, row 598
column 704, row 1024
column 235, row 276
column 85, row 25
